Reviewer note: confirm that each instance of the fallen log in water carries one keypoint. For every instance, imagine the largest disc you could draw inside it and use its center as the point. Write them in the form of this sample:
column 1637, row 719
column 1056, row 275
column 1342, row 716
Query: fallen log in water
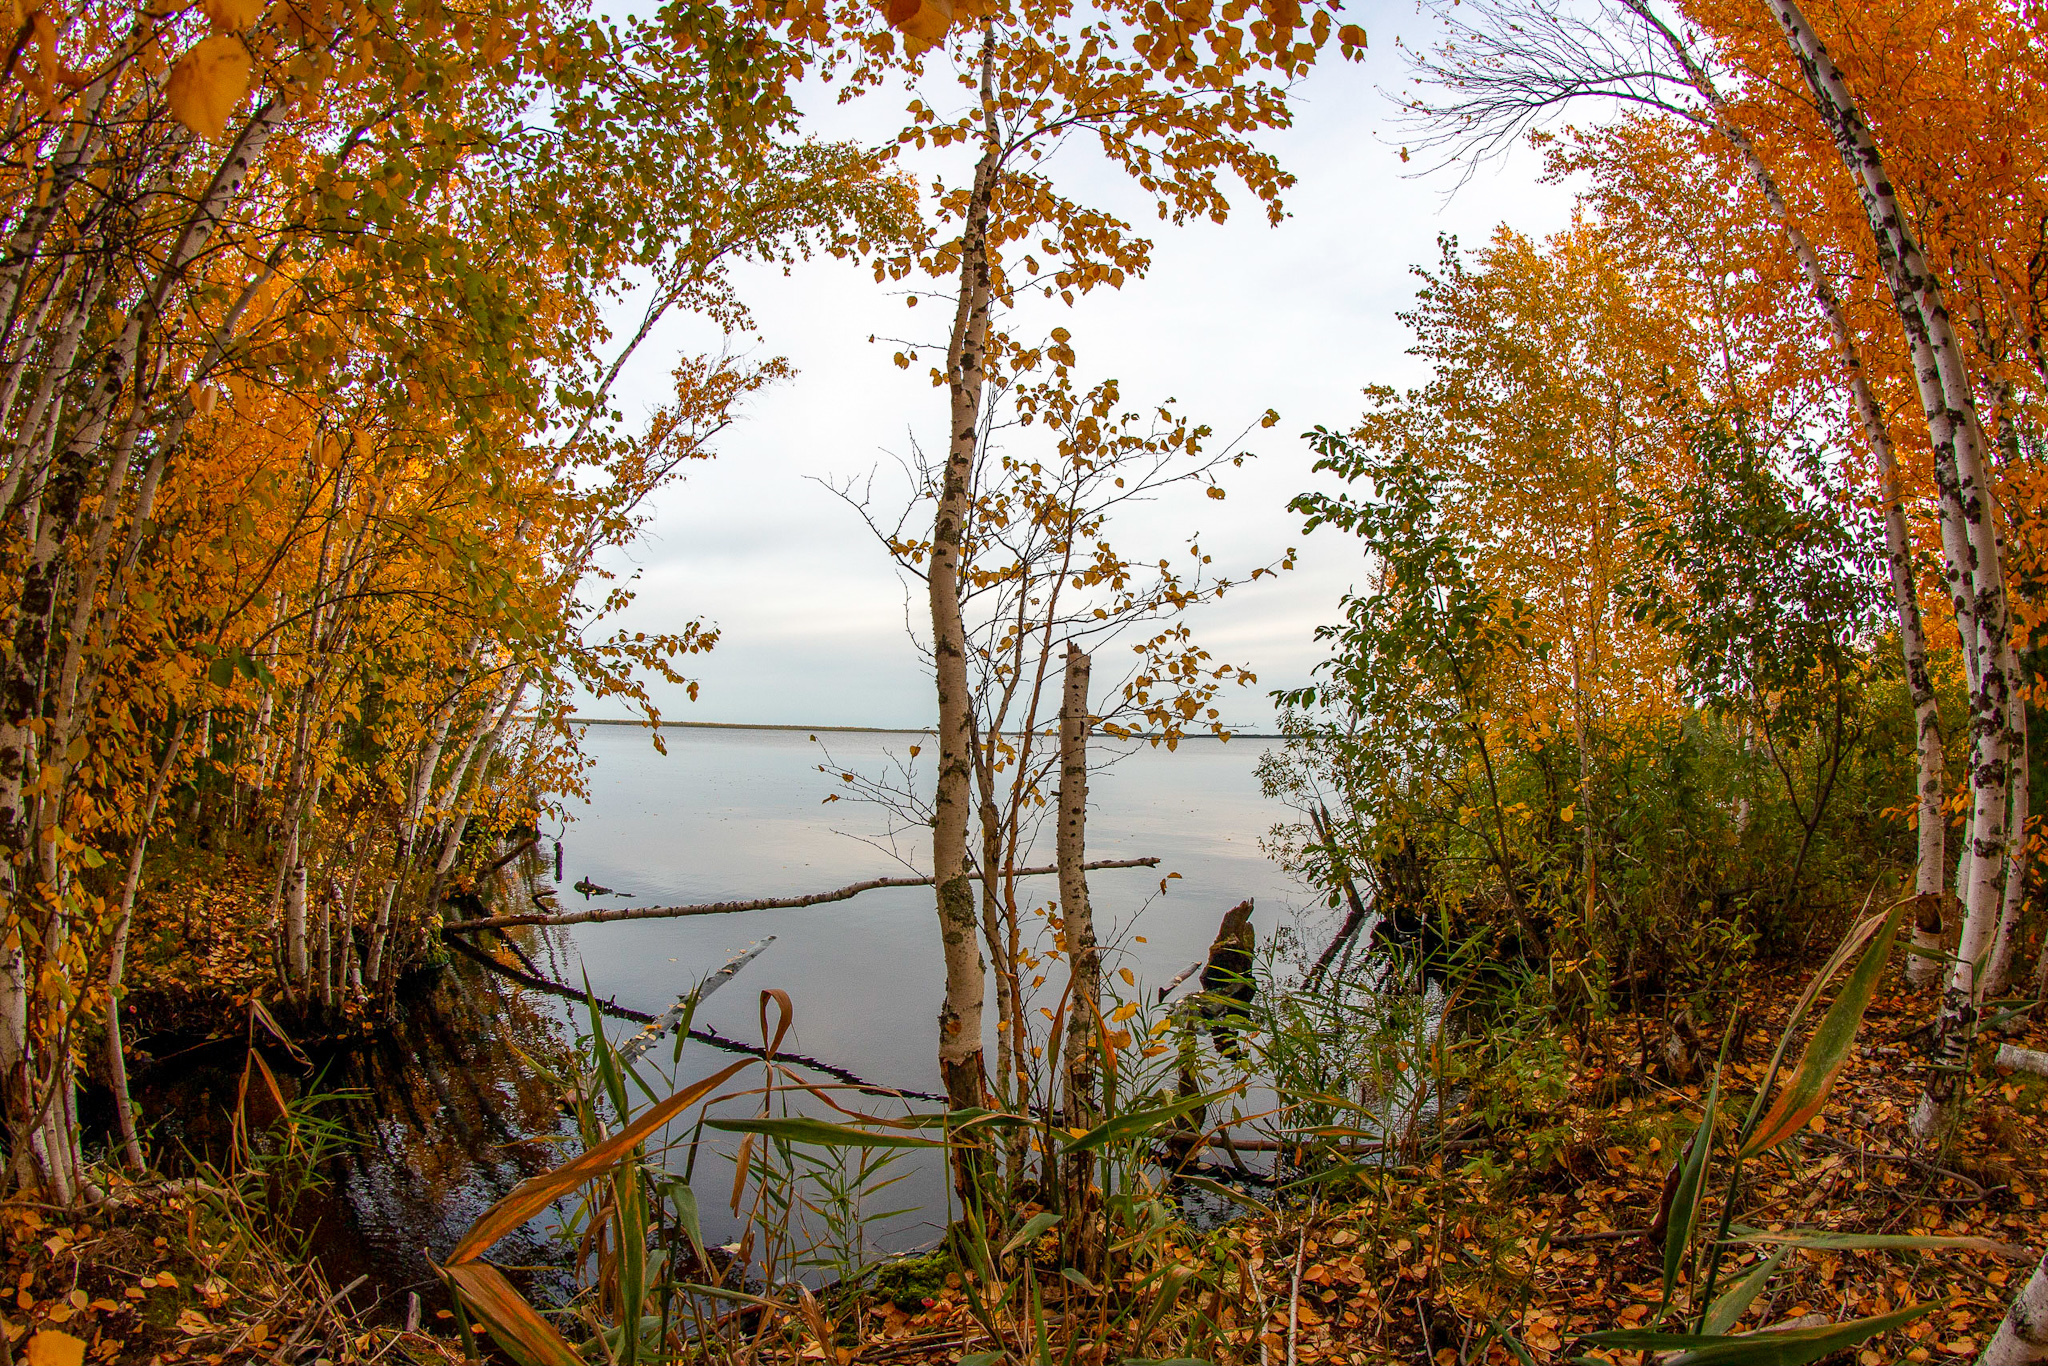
column 495, row 922
column 689, row 1001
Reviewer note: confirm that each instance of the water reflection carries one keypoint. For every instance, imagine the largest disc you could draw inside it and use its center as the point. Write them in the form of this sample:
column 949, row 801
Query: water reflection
column 444, row 1112
column 452, row 1114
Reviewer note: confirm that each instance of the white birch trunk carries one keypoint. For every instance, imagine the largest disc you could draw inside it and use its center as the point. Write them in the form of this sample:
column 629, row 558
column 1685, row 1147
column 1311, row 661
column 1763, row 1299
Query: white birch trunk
column 2022, row 1059
column 2022, row 1338
column 325, row 968
column 1977, row 578
column 1084, row 966
column 1077, row 917
column 373, row 966
column 1998, row 976
column 295, row 959
column 960, row 1013
column 117, row 957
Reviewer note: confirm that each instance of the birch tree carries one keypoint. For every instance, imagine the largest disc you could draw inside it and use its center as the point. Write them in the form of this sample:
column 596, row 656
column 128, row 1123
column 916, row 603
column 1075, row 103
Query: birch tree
column 1170, row 101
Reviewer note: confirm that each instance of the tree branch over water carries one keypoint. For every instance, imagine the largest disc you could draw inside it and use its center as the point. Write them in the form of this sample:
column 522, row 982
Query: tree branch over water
column 601, row 917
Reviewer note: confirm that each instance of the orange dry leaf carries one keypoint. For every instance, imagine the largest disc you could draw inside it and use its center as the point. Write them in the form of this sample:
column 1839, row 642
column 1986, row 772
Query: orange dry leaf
column 208, row 83
column 52, row 1348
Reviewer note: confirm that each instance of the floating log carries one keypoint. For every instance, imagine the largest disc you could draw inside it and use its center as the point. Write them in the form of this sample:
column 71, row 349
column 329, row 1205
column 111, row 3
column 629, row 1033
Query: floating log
column 1173, row 986
column 495, row 922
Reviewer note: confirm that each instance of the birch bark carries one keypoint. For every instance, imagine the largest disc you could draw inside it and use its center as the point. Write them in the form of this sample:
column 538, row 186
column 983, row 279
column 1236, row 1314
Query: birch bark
column 1084, row 967
column 960, row 1014
column 1975, row 569
column 2022, row 1338
column 1998, row 974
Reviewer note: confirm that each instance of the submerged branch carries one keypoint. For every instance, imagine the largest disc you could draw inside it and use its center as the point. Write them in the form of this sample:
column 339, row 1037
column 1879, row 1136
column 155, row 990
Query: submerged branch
column 601, row 917
column 710, row 1037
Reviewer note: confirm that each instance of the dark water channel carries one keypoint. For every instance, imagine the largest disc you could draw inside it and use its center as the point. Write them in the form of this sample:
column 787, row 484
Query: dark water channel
column 447, row 1112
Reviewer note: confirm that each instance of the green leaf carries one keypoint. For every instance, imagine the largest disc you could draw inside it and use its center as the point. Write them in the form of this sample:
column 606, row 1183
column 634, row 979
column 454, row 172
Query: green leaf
column 1509, row 1340
column 1897, row 1241
column 1828, row 1052
column 1728, row 1307
column 802, row 1129
column 981, row 1359
column 1025, row 1236
column 1792, row 1347
column 1691, row 1189
column 1138, row 1122
column 683, row 1201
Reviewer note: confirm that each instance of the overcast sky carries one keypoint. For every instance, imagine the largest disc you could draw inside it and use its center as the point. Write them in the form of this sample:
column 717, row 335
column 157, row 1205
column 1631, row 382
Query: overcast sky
column 1232, row 320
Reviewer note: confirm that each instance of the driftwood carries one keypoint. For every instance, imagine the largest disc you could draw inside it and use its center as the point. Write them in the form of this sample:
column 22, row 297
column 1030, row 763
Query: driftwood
column 1173, row 986
column 495, row 922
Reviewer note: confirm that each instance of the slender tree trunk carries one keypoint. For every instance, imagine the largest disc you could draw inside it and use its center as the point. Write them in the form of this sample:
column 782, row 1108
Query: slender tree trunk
column 380, row 932
column 477, row 761
column 117, row 957
column 325, row 968
column 1998, row 975
column 1977, row 580
column 960, row 1015
column 295, row 925
column 1084, row 969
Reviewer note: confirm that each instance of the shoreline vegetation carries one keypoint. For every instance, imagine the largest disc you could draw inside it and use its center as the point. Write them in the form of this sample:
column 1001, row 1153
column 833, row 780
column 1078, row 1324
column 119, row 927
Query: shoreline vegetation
column 1667, row 763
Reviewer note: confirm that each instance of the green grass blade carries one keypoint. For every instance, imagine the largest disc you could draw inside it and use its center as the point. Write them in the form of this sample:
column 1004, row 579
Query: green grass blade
column 1828, row 1052
column 802, row 1129
column 1692, row 1187
column 1724, row 1311
column 1791, row 1347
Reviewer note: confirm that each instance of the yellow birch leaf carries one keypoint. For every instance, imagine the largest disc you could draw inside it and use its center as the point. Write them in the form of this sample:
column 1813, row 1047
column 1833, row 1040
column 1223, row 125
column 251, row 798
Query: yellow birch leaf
column 51, row 1348
column 229, row 16
column 207, row 83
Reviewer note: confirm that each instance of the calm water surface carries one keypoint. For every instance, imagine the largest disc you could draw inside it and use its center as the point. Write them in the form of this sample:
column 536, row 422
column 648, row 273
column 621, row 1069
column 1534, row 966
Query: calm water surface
column 453, row 1115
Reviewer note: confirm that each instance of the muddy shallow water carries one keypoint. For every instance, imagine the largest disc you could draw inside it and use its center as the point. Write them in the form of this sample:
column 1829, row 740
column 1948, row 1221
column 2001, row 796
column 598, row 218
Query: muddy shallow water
column 449, row 1111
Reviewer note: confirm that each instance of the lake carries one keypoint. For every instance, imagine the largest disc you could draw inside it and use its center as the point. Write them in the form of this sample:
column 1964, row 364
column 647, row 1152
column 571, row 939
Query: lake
column 452, row 1115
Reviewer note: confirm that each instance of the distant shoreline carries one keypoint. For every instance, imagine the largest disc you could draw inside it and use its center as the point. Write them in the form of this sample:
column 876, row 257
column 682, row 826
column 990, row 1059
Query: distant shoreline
column 842, row 730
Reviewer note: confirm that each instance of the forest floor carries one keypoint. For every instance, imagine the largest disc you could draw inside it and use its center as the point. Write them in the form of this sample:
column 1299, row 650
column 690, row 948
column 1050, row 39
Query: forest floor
column 1540, row 1232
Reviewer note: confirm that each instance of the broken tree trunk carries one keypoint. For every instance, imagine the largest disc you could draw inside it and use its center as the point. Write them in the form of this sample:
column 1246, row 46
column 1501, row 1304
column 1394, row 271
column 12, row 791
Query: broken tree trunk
column 2022, row 1339
column 1084, row 970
